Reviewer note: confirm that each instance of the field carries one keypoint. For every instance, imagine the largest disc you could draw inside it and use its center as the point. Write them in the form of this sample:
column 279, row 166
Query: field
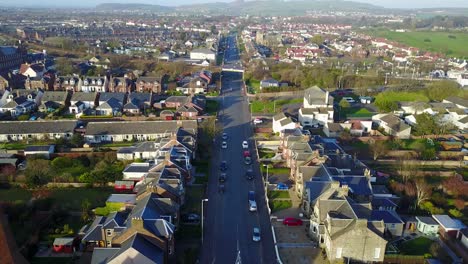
column 450, row 44
column 356, row 112
column 272, row 106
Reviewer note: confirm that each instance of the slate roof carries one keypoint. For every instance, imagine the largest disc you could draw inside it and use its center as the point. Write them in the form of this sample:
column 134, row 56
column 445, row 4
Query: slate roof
column 104, row 97
column 55, row 96
column 84, row 97
column 389, row 217
column 137, row 127
column 93, row 233
column 426, row 220
column 153, row 207
column 38, row 148
column 122, row 198
column 448, row 223
column 457, row 100
column 178, row 99
column 160, row 227
column 315, row 189
column 358, row 185
column 317, row 96
column 36, row 127
column 395, row 123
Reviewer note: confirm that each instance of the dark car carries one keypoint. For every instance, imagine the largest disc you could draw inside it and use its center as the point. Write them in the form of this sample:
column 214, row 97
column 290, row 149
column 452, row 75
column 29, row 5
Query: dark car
column 248, row 160
column 249, row 174
column 221, row 188
column 223, row 166
column 191, row 218
column 222, row 177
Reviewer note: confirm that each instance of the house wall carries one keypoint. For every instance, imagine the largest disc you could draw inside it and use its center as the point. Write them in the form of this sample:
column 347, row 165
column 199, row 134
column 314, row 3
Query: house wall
column 37, row 136
column 464, row 241
column 356, row 244
column 395, row 229
column 428, row 229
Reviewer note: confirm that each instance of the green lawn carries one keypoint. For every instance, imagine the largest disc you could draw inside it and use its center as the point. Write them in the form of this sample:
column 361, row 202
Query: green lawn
column 266, row 153
column 355, row 112
column 71, row 198
column 212, row 107
column 417, row 247
column 448, row 43
column 254, row 83
column 278, row 194
column 277, row 205
column 272, row 106
column 14, row 194
column 21, row 145
column 276, row 170
column 118, row 144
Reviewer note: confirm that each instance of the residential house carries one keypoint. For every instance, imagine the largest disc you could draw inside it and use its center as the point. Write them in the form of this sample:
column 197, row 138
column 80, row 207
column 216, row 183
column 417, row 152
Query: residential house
column 94, row 84
column 449, row 227
column 281, row 122
column 103, row 229
column 68, row 83
column 138, row 103
column 343, row 227
column 176, row 101
column 32, row 71
column 44, row 151
column 317, row 107
column 151, row 84
column 136, row 171
column 458, row 101
column 12, row 57
column 393, row 125
column 53, row 100
column 203, row 54
column 98, row 132
column 110, row 103
column 394, row 225
column 189, row 110
column 427, row 225
column 81, row 101
column 463, row 237
column 333, row 129
column 37, row 130
column 268, row 83
column 122, row 85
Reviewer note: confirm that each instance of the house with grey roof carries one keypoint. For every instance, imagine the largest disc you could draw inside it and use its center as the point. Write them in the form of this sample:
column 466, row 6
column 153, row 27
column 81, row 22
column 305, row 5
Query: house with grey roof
column 94, row 84
column 339, row 225
column 80, row 101
column 97, row 132
column 282, row 122
column 393, row 125
column 52, row 100
column 37, row 130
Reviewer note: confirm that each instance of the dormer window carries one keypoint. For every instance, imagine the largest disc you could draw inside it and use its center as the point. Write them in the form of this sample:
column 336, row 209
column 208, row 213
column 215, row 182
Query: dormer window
column 86, row 82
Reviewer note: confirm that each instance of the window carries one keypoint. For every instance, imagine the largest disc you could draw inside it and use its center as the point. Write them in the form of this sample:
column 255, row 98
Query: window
column 377, row 253
column 339, row 251
column 109, row 232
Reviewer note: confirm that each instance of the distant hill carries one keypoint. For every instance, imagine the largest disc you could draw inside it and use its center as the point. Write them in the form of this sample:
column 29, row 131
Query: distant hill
column 265, row 8
column 134, row 7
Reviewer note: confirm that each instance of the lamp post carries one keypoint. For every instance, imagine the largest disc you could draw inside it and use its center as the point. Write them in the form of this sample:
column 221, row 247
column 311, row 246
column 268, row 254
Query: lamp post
column 202, row 219
column 266, row 181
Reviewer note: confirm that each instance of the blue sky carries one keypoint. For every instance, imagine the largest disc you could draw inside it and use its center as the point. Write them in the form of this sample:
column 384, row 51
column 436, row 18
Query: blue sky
column 91, row 3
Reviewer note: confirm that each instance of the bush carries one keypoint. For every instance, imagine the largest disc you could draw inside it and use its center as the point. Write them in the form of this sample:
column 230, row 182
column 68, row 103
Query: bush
column 455, row 213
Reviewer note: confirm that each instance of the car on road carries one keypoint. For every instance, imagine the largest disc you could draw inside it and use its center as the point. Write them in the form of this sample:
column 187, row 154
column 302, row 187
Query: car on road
column 245, row 145
column 222, row 177
column 252, row 202
column 223, row 166
column 256, row 234
column 224, row 145
column 190, row 218
column 221, row 188
column 257, row 121
column 248, row 160
column 246, row 153
column 249, row 174
column 282, row 186
column 224, row 136
column 291, row 221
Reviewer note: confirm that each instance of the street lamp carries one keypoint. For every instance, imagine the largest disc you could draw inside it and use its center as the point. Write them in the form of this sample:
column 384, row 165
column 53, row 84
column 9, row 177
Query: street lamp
column 266, row 182
column 202, row 219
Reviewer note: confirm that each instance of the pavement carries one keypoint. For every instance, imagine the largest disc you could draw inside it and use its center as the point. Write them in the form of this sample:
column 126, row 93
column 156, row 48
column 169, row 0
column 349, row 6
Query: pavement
column 228, row 223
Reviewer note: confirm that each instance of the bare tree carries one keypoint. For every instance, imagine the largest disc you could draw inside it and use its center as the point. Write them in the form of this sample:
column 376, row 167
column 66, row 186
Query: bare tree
column 406, row 168
column 423, row 191
column 378, row 148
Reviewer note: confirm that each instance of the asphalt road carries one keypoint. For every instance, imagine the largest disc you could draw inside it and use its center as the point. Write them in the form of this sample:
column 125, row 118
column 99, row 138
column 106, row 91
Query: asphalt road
column 228, row 222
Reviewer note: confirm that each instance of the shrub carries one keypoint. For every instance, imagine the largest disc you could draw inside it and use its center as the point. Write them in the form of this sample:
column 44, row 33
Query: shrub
column 455, row 213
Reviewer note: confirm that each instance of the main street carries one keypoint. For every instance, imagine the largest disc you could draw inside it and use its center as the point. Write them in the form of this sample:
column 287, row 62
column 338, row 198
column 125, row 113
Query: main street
column 228, row 226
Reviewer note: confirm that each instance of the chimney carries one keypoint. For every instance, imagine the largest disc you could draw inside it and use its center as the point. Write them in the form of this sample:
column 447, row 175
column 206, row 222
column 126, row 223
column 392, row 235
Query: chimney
column 344, row 190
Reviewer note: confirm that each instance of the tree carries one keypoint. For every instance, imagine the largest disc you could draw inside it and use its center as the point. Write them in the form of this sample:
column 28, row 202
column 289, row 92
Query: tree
column 455, row 186
column 61, row 163
column 426, row 125
column 344, row 103
column 345, row 136
column 406, row 168
column 37, row 172
column 85, row 208
column 77, row 140
column 64, row 66
column 423, row 191
column 440, row 90
column 378, row 148
column 317, row 39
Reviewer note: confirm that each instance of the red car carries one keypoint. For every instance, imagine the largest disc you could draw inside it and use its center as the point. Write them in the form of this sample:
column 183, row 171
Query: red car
column 290, row 221
column 246, row 153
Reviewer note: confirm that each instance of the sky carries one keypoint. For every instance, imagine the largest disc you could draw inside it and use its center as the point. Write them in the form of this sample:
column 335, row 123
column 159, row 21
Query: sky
column 91, row 3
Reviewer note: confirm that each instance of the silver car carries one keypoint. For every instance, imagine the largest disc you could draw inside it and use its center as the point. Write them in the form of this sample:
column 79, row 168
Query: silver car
column 256, row 234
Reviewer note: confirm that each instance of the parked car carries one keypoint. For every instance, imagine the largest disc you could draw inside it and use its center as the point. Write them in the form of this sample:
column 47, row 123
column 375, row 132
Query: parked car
column 252, row 202
column 224, row 145
column 221, row 188
column 191, row 218
column 257, row 121
column 245, row 145
column 282, row 186
column 291, row 221
column 248, row 160
column 223, row 166
column 246, row 153
column 249, row 174
column 222, row 177
column 256, row 234
column 224, row 136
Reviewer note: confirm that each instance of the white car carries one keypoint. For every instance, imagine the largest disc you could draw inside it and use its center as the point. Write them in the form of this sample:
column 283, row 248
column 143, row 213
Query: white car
column 257, row 121
column 256, row 234
column 224, row 145
column 245, row 145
